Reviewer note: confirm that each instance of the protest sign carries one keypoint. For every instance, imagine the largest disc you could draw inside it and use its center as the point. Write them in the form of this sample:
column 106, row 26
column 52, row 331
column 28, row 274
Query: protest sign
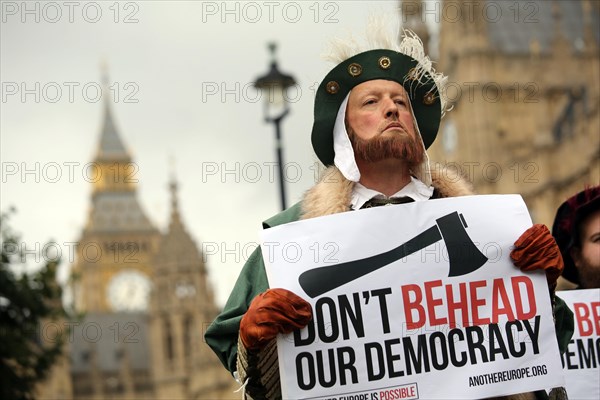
column 411, row 301
column 582, row 358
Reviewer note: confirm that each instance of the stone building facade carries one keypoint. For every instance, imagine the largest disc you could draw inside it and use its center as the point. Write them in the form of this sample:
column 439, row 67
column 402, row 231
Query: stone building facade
column 524, row 80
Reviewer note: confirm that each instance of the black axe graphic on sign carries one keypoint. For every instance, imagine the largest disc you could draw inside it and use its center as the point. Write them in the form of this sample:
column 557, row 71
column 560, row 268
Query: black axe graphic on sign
column 463, row 255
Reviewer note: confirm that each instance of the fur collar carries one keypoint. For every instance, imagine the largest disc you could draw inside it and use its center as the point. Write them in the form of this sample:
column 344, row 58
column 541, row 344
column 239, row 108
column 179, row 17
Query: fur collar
column 331, row 195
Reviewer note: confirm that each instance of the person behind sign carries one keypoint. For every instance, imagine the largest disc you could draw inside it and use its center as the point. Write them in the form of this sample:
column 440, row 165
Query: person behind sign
column 576, row 229
column 376, row 112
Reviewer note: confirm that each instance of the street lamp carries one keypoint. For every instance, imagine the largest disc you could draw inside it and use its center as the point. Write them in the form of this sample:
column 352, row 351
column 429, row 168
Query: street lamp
column 276, row 107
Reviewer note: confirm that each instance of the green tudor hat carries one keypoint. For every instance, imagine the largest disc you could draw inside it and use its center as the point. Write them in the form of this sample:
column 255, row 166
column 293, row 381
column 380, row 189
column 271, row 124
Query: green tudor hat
column 418, row 80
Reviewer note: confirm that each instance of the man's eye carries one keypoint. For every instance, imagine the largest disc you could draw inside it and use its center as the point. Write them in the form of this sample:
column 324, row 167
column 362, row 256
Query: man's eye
column 370, row 101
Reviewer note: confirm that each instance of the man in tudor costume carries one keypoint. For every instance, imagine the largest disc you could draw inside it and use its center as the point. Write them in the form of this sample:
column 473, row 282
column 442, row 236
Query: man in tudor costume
column 375, row 115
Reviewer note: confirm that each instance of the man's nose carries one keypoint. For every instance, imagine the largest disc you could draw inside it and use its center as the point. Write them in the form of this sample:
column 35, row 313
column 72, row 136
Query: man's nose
column 391, row 108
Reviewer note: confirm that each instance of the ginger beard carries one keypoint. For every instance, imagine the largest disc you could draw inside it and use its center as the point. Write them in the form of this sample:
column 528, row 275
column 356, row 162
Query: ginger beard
column 399, row 145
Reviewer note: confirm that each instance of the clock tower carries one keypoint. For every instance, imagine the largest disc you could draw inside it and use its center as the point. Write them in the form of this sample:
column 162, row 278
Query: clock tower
column 142, row 296
column 113, row 272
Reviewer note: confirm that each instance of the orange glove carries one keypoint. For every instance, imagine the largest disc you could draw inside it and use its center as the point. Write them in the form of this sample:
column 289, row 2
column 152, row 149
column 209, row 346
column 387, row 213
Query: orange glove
column 537, row 249
column 272, row 312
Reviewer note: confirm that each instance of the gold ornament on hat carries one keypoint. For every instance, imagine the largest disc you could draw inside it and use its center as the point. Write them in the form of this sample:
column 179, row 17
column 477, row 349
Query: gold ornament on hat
column 429, row 99
column 385, row 62
column 354, row 69
column 332, row 87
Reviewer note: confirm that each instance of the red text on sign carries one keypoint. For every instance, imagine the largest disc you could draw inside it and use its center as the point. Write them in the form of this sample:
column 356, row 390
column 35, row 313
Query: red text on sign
column 587, row 316
column 432, row 302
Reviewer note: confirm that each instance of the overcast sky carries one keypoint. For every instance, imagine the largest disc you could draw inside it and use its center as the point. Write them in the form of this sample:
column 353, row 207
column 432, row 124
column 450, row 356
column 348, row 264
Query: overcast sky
column 180, row 73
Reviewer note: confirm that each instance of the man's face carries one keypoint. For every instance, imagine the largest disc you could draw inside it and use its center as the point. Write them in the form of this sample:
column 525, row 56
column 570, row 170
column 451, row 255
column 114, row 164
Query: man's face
column 380, row 123
column 587, row 257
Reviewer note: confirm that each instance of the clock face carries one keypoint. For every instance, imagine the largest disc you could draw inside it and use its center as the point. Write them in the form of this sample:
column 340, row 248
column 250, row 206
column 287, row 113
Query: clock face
column 129, row 290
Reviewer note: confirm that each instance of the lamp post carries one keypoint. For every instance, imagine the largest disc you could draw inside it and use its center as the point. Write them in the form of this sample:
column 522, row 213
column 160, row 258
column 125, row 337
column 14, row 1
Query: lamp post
column 276, row 107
